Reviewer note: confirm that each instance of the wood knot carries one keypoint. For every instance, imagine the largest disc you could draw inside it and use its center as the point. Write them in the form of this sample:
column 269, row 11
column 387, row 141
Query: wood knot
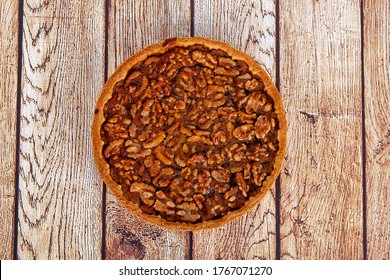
column 311, row 118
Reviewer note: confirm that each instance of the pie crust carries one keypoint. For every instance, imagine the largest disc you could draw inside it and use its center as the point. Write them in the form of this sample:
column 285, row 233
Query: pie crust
column 142, row 155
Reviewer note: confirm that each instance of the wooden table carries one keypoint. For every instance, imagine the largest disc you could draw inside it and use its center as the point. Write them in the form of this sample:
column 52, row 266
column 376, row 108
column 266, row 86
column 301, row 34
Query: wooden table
column 330, row 60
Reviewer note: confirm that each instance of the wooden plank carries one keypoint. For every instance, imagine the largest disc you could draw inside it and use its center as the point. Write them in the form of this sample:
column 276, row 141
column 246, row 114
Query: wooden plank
column 321, row 186
column 60, row 199
column 8, row 117
column 132, row 26
column 248, row 26
column 377, row 126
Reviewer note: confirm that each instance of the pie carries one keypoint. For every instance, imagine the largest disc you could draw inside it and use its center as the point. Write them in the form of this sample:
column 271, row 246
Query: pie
column 189, row 133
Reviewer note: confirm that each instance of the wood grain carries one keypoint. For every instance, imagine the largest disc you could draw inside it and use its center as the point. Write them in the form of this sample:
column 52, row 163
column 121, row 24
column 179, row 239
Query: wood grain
column 321, row 186
column 8, row 117
column 60, row 199
column 377, row 126
column 248, row 26
column 132, row 26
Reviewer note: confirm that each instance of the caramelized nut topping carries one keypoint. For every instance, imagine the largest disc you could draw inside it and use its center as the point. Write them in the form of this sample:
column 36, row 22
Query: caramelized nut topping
column 190, row 134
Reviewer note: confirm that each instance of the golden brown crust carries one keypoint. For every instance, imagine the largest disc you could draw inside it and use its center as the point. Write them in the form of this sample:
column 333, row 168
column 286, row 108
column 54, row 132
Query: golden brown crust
column 121, row 73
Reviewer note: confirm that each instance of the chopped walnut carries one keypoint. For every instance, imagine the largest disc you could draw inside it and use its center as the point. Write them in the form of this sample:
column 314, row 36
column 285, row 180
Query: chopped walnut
column 262, row 126
column 113, row 148
column 164, row 177
column 187, row 212
column 244, row 132
column 222, row 176
column 242, row 185
column 154, row 140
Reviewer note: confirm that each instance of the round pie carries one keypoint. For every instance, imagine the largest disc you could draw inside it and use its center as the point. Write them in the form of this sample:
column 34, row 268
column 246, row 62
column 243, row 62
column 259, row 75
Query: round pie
column 189, row 133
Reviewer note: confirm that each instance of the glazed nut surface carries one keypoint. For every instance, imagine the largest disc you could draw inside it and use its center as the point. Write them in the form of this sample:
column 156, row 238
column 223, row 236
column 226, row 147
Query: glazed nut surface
column 190, row 134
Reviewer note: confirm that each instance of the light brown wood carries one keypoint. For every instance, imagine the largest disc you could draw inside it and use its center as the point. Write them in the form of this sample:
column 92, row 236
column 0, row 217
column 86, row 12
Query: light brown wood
column 248, row 26
column 321, row 186
column 132, row 26
column 8, row 117
column 377, row 123
column 60, row 200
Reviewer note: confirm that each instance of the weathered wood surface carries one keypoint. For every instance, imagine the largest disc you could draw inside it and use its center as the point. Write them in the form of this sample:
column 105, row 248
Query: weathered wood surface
column 321, row 185
column 248, row 26
column 377, row 126
column 60, row 198
column 333, row 67
column 132, row 26
column 8, row 117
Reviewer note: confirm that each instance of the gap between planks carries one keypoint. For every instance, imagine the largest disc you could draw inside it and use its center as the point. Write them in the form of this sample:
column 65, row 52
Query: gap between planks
column 277, row 84
column 18, row 115
column 364, row 147
column 104, row 189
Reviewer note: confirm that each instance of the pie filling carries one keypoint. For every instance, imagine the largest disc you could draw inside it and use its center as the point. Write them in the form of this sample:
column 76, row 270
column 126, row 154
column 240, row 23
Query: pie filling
column 190, row 134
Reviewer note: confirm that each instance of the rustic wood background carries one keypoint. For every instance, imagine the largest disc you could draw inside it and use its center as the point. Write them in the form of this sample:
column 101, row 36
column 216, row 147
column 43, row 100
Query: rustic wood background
column 330, row 60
